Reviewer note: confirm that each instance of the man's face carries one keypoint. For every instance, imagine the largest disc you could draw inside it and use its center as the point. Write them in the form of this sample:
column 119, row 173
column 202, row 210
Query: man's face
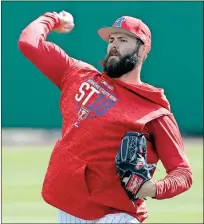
column 122, row 55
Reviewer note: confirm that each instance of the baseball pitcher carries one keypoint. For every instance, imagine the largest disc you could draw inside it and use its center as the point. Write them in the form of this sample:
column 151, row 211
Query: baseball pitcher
column 115, row 127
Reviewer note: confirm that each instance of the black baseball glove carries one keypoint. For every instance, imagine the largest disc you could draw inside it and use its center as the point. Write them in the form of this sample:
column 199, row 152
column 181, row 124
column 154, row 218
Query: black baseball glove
column 131, row 163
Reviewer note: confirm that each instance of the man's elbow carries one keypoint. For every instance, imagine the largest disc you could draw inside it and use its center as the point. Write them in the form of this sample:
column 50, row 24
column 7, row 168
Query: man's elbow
column 189, row 178
column 28, row 41
column 27, row 45
column 23, row 45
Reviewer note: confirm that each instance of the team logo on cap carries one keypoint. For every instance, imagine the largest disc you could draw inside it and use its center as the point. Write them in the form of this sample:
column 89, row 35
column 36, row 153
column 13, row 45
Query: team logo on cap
column 119, row 22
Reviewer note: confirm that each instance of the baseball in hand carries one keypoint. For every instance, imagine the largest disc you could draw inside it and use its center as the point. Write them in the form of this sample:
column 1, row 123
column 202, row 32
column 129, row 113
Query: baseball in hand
column 66, row 22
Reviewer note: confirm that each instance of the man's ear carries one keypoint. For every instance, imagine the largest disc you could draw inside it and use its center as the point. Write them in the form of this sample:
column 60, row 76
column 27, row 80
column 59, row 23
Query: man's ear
column 145, row 57
column 143, row 52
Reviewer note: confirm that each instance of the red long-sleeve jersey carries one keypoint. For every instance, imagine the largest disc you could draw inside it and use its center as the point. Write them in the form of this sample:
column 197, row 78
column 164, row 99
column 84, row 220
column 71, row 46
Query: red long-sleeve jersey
column 170, row 150
column 64, row 70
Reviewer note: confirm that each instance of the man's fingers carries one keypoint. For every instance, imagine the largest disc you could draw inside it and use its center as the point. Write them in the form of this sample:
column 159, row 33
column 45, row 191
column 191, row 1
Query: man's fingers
column 66, row 22
column 69, row 26
column 65, row 30
column 64, row 13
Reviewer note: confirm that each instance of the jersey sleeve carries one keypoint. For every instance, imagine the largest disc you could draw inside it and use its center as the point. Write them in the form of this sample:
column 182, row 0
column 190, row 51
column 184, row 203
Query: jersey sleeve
column 170, row 150
column 49, row 58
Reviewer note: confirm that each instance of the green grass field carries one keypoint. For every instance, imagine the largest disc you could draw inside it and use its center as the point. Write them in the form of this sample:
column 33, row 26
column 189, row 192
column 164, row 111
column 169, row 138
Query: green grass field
column 23, row 169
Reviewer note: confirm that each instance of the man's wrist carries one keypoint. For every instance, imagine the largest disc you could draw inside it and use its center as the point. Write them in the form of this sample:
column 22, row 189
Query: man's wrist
column 148, row 189
column 152, row 188
column 54, row 18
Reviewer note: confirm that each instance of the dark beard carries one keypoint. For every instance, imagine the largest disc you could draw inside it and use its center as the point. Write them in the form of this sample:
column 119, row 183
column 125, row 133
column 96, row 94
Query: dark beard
column 125, row 64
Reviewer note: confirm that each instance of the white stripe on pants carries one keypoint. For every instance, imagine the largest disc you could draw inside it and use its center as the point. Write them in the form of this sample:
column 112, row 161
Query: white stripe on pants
column 112, row 218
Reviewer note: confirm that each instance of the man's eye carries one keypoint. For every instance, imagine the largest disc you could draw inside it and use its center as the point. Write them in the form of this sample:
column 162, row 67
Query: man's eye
column 122, row 40
column 110, row 41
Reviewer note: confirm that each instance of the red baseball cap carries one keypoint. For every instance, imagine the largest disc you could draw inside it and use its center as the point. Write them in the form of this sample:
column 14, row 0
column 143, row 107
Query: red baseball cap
column 131, row 26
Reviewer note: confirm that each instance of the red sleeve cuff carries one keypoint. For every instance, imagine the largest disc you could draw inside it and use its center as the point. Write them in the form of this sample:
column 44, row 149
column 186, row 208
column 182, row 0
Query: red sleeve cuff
column 175, row 183
column 54, row 19
column 158, row 191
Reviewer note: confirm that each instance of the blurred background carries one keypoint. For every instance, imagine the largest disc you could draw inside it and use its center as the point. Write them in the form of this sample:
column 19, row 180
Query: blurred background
column 31, row 117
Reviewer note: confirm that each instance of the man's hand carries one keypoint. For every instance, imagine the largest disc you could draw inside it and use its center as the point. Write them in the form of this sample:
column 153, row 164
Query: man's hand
column 132, row 167
column 66, row 22
column 148, row 189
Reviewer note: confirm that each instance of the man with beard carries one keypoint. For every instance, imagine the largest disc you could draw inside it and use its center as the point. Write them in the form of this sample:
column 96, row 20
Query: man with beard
column 117, row 65
column 97, row 110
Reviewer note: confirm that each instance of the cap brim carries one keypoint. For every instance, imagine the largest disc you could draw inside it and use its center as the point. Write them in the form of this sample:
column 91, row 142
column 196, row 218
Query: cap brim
column 105, row 32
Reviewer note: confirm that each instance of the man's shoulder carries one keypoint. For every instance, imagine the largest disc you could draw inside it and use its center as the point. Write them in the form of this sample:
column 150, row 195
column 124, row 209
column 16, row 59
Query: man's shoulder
column 79, row 70
column 84, row 66
column 152, row 87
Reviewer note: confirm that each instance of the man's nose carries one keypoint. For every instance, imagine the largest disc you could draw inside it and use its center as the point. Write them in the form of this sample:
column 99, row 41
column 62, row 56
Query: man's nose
column 115, row 45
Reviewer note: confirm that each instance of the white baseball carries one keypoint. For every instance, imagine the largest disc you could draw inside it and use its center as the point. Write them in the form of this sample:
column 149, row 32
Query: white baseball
column 67, row 16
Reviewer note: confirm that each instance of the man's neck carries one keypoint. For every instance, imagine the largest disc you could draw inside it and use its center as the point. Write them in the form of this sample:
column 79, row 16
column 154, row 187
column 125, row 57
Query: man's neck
column 132, row 77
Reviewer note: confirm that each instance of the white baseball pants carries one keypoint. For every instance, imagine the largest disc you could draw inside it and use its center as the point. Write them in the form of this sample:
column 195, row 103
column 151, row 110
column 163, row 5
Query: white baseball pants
column 66, row 218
